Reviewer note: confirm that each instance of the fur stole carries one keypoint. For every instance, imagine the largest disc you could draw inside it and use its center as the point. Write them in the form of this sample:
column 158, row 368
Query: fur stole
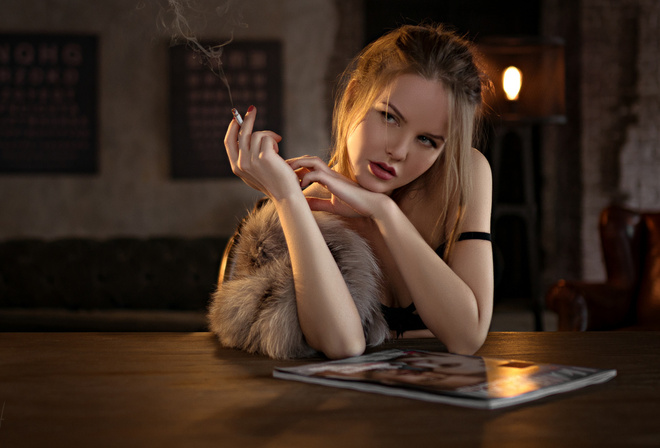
column 255, row 308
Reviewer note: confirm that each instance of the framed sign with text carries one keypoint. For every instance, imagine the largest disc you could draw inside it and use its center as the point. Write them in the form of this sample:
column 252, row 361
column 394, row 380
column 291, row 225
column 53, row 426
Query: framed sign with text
column 202, row 94
column 48, row 103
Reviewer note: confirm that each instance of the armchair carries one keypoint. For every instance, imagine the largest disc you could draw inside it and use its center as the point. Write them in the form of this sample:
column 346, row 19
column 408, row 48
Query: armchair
column 630, row 297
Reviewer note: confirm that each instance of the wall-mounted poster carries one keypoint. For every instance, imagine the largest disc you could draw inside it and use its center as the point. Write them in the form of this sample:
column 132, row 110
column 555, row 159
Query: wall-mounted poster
column 48, row 103
column 203, row 92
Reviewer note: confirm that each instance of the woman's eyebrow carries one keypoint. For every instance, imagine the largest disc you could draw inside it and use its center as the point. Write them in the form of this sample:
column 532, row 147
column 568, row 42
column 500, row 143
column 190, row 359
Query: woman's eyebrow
column 396, row 111
column 403, row 118
column 437, row 137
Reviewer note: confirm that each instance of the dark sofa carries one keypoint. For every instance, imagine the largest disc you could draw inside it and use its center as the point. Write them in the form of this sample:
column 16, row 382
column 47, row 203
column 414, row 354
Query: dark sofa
column 630, row 297
column 119, row 284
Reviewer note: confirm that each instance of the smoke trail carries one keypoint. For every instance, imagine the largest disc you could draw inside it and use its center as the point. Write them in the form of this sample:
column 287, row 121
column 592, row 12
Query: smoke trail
column 185, row 19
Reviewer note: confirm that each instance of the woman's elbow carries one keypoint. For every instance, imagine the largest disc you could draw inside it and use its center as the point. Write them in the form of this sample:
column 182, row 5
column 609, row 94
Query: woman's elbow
column 468, row 339
column 467, row 344
column 345, row 349
column 463, row 348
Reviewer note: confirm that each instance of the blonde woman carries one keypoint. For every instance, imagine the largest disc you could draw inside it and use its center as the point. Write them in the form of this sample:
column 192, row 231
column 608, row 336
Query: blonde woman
column 391, row 238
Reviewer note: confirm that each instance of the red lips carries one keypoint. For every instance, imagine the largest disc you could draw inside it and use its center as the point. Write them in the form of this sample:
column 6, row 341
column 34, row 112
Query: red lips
column 382, row 170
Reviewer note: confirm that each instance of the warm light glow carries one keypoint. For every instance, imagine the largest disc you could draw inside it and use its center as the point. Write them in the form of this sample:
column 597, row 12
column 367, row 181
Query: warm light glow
column 512, row 81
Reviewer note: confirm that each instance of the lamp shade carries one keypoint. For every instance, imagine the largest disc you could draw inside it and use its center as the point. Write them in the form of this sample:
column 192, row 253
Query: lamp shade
column 541, row 74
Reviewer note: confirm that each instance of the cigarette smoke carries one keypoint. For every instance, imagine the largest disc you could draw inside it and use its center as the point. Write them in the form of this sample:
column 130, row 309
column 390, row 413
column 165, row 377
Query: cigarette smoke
column 184, row 20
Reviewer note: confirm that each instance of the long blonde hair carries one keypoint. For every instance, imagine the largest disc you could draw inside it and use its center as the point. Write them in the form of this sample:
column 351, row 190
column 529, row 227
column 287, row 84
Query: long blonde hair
column 437, row 54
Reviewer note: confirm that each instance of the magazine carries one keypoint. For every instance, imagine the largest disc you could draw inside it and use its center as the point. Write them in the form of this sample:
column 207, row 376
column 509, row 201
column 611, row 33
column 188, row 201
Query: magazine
column 471, row 381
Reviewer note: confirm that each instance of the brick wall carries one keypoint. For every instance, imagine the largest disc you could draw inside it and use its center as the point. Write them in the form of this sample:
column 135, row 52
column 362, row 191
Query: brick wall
column 640, row 155
column 560, row 156
column 620, row 97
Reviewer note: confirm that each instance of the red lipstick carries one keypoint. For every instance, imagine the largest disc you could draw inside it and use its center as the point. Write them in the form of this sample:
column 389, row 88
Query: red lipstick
column 382, row 170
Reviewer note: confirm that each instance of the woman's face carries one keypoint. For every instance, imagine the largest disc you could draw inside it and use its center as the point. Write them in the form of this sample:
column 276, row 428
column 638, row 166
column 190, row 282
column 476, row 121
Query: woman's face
column 401, row 136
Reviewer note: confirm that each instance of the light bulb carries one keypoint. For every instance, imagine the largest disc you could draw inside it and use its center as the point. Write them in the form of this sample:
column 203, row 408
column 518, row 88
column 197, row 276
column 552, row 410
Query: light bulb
column 512, row 82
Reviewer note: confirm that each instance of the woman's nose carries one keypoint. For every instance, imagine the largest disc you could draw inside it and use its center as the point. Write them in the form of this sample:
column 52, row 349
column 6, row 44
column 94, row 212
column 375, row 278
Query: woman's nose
column 397, row 148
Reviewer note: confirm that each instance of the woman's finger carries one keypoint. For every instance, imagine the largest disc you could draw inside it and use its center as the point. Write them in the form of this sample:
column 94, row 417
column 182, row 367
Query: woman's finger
column 274, row 135
column 313, row 169
column 231, row 143
column 348, row 197
column 307, row 177
column 308, row 162
column 245, row 134
column 257, row 142
column 262, row 146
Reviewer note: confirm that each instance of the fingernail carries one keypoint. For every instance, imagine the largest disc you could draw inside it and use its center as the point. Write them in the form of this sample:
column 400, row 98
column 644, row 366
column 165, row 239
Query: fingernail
column 250, row 109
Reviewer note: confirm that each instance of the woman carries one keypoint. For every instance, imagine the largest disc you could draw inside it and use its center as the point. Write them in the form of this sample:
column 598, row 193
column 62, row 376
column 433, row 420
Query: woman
column 403, row 178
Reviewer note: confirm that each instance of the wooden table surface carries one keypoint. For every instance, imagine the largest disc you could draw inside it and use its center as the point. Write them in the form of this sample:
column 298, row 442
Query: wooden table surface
column 185, row 390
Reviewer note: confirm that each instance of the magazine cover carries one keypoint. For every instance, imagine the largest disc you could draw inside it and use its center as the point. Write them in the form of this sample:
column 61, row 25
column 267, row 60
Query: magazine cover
column 471, row 381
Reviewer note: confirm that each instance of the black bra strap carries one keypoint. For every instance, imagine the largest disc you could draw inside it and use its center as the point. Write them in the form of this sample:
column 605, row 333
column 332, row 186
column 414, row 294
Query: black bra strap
column 474, row 236
column 466, row 236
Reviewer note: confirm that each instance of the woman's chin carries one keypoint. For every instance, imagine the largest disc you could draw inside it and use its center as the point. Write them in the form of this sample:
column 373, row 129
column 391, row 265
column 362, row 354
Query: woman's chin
column 377, row 187
column 369, row 181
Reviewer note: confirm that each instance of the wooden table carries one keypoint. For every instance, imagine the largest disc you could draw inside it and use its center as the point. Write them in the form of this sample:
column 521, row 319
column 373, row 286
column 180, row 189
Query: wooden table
column 185, row 390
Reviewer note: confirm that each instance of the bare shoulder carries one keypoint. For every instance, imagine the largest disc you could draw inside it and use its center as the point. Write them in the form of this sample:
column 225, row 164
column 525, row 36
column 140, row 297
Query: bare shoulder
column 477, row 216
column 481, row 168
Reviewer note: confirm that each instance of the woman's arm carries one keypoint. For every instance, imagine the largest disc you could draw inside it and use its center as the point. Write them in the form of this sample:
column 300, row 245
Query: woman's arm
column 455, row 301
column 327, row 314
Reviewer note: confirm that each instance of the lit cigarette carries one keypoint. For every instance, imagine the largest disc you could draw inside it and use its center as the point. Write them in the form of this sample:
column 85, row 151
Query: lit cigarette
column 237, row 116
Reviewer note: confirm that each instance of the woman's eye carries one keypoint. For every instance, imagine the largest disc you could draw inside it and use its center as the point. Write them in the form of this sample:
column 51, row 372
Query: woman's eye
column 427, row 141
column 387, row 117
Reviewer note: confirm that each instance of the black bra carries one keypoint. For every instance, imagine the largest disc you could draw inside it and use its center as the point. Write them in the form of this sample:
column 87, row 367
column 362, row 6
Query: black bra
column 405, row 319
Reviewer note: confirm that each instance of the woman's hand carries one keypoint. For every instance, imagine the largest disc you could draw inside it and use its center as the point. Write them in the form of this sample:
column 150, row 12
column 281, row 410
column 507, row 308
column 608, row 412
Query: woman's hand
column 254, row 157
column 347, row 198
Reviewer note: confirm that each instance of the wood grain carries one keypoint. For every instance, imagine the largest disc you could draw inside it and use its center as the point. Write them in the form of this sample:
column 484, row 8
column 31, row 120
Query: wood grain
column 184, row 389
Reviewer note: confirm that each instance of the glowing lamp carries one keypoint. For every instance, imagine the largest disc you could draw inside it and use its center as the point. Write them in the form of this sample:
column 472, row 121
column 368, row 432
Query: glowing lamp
column 515, row 112
column 541, row 59
column 512, row 82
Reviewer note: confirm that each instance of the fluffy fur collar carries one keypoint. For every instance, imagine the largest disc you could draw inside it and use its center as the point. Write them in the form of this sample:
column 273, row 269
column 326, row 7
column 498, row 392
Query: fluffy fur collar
column 255, row 308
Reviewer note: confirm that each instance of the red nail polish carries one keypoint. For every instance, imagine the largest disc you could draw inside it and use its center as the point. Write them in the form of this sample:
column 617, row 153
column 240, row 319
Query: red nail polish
column 250, row 109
